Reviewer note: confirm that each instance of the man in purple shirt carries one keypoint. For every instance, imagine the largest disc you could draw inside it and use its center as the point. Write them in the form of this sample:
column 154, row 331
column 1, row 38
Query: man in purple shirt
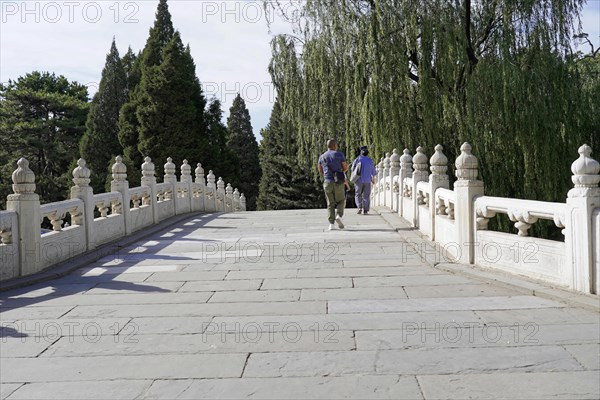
column 362, row 187
column 333, row 166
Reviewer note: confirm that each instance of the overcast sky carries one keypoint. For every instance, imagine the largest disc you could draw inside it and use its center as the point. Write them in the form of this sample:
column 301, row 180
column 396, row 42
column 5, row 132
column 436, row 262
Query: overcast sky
column 230, row 41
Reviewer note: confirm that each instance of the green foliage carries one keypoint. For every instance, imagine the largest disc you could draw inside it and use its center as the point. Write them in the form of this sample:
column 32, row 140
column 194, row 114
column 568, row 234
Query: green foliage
column 138, row 69
column 242, row 142
column 100, row 143
column 217, row 156
column 284, row 185
column 171, row 110
column 42, row 118
column 499, row 74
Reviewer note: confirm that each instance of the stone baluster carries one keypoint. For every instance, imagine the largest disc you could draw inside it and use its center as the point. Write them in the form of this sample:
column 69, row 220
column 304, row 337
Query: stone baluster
column 220, row 195
column 379, row 184
column 170, row 177
column 236, row 200
column 229, row 198
column 466, row 188
column 120, row 184
column 582, row 237
column 419, row 174
column 243, row 202
column 26, row 203
column 211, row 192
column 394, row 172
column 186, row 177
column 437, row 179
column 200, row 186
column 387, row 187
column 406, row 171
column 83, row 191
column 149, row 180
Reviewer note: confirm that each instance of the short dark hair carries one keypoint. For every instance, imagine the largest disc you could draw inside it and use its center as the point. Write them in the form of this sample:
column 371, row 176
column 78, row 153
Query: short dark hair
column 364, row 151
column 331, row 143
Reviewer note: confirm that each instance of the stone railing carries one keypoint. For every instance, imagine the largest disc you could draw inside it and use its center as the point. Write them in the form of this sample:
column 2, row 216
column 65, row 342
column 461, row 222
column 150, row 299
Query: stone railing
column 458, row 219
column 88, row 220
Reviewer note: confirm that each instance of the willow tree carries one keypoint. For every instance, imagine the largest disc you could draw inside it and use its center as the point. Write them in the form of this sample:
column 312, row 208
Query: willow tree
column 401, row 73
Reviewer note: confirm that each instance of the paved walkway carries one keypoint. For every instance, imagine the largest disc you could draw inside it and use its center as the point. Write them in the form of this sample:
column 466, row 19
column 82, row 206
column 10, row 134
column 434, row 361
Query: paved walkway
column 271, row 305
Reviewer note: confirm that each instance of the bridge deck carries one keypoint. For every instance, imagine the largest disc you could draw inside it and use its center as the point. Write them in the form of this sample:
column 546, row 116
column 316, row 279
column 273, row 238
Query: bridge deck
column 271, row 305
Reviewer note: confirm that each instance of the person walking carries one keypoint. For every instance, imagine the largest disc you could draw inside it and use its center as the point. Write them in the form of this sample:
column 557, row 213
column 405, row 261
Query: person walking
column 362, row 187
column 332, row 166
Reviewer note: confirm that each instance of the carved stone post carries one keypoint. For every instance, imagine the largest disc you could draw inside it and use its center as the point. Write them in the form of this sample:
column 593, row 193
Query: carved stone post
column 220, row 195
column 211, row 192
column 580, row 239
column 466, row 188
column 119, row 184
column 406, row 171
column 394, row 172
column 419, row 175
column 83, row 191
column 229, row 198
column 387, row 187
column 186, row 177
column 26, row 203
column 200, row 187
column 149, row 180
column 236, row 200
column 243, row 202
column 379, row 183
column 437, row 179
column 170, row 177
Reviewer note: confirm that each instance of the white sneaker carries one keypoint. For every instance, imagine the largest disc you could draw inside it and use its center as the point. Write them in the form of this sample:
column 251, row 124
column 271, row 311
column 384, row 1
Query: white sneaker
column 331, row 227
column 339, row 222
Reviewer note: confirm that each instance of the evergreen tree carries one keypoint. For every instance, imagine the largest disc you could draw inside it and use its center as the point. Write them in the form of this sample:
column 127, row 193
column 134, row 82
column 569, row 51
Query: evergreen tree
column 100, row 142
column 242, row 142
column 217, row 156
column 170, row 112
column 284, row 184
column 42, row 118
column 150, row 59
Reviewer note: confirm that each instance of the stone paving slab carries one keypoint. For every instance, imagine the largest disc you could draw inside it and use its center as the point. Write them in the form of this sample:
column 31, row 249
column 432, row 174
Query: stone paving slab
column 218, row 286
column 53, row 329
column 255, row 296
column 412, row 361
column 353, row 293
column 69, row 369
column 245, row 339
column 478, row 335
column 167, row 310
column 91, row 390
column 113, row 299
column 534, row 386
column 355, row 387
column 366, row 321
column 190, row 312
column 8, row 388
column 439, row 304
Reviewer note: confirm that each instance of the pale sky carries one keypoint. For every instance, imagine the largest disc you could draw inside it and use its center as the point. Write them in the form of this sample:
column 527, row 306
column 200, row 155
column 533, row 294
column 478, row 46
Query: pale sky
column 229, row 39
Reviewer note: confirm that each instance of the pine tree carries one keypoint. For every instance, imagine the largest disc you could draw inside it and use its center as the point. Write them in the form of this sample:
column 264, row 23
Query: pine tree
column 146, row 63
column 243, row 143
column 100, row 142
column 42, row 118
column 217, row 156
column 284, row 184
column 170, row 112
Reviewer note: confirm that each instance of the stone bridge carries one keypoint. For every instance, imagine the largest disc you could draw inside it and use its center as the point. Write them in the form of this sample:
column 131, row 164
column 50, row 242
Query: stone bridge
column 194, row 298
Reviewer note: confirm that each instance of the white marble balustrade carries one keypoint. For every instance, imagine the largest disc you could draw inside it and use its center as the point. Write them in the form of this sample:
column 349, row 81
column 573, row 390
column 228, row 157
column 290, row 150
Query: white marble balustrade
column 88, row 220
column 457, row 219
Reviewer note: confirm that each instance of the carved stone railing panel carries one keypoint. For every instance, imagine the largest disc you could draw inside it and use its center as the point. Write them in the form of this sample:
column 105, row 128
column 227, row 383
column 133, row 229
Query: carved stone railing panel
column 524, row 213
column 57, row 212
